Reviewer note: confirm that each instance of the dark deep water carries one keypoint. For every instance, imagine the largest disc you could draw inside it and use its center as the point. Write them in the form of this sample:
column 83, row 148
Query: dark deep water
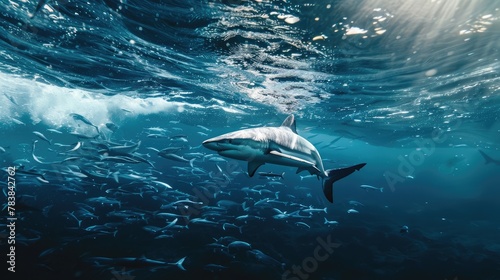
column 409, row 87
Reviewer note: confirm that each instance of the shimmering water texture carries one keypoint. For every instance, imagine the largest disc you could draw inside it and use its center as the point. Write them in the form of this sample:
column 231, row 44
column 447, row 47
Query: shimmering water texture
column 104, row 106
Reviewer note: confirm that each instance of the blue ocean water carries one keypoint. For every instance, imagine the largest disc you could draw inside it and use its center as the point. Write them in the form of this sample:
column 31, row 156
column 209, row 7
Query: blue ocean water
column 124, row 93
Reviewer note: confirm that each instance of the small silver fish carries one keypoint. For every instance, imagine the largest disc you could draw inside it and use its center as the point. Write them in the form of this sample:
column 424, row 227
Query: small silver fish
column 41, row 136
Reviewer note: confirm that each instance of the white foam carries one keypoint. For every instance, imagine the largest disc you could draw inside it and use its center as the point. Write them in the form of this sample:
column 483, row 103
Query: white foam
column 52, row 105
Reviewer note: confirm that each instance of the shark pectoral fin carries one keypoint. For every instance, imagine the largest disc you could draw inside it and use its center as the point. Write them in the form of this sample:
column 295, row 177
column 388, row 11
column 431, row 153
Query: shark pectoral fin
column 290, row 157
column 314, row 170
column 487, row 159
column 300, row 169
column 253, row 166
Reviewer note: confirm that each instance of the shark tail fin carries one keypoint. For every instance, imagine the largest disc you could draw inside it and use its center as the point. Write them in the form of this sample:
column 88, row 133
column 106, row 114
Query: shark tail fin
column 486, row 157
column 335, row 175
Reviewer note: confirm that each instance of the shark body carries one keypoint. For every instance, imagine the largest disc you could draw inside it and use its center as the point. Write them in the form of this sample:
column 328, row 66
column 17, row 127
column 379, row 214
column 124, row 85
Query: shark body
column 277, row 145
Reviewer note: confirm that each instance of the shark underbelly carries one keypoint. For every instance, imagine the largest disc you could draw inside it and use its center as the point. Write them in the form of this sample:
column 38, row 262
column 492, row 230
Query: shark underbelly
column 285, row 161
column 278, row 155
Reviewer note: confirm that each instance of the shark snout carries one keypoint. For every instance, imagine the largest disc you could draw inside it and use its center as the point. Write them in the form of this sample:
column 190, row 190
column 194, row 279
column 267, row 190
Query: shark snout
column 212, row 144
column 219, row 144
column 209, row 144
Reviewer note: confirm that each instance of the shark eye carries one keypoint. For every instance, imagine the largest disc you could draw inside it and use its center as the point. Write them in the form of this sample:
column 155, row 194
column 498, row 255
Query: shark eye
column 230, row 141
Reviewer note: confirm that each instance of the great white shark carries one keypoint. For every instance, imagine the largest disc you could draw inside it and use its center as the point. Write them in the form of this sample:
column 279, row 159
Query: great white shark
column 278, row 145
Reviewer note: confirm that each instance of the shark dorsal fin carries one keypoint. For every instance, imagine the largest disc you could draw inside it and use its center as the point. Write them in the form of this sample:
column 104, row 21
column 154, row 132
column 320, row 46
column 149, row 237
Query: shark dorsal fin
column 253, row 166
column 290, row 123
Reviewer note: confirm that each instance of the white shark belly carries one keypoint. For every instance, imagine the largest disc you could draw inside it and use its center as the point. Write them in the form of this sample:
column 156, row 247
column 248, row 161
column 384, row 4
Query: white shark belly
column 287, row 161
column 275, row 157
column 247, row 155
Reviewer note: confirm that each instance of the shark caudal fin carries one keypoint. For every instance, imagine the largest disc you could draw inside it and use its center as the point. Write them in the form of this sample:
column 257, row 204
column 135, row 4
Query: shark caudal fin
column 487, row 158
column 335, row 175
